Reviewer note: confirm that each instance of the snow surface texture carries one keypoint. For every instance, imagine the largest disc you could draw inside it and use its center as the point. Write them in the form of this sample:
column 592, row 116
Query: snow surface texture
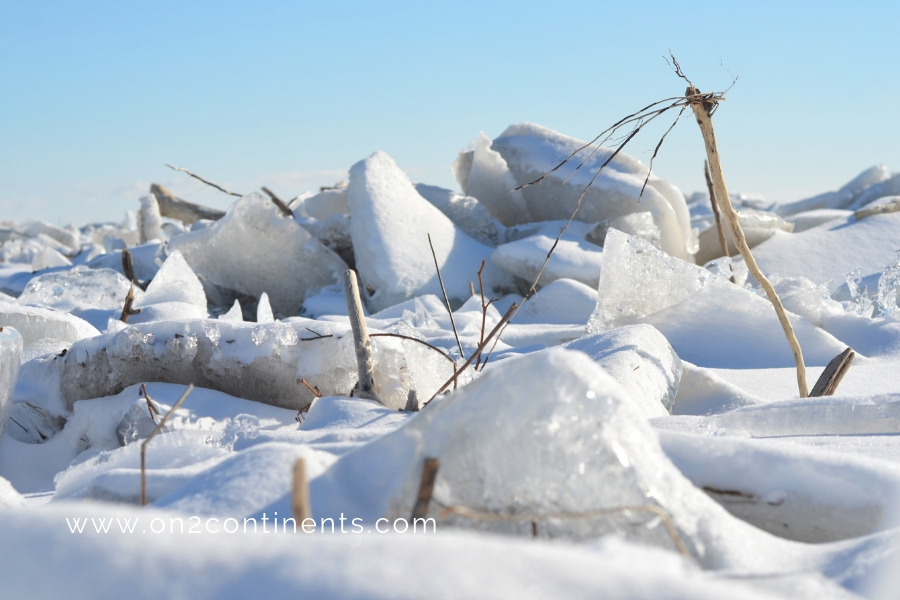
column 390, row 223
column 524, row 152
column 44, row 330
column 255, row 249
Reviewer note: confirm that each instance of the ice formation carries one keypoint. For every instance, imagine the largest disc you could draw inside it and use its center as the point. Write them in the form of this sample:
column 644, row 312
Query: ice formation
column 390, row 223
column 11, row 345
column 326, row 203
column 525, row 151
column 563, row 301
column 842, row 198
column 466, row 212
column 44, row 330
column 175, row 282
column 149, row 219
column 640, row 359
column 255, row 249
column 262, row 362
column 573, row 258
column 483, row 174
column 78, row 289
column 758, row 226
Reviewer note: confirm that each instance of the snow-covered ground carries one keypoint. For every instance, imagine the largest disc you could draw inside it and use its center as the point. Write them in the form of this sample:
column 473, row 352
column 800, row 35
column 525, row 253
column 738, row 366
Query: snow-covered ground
column 636, row 431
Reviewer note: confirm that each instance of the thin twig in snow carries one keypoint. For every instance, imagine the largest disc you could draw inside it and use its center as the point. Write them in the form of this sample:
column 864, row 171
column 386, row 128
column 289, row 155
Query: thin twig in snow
column 446, row 299
column 159, row 427
column 206, row 181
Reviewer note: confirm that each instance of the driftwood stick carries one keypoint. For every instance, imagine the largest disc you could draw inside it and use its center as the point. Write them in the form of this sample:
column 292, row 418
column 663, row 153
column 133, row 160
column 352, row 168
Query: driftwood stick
column 831, row 377
column 278, row 202
column 426, row 488
column 715, row 208
column 300, row 505
column 446, row 299
column 364, row 362
column 703, row 106
column 882, row 209
column 509, row 313
column 127, row 310
column 176, row 208
column 159, row 427
column 206, row 181
column 128, row 266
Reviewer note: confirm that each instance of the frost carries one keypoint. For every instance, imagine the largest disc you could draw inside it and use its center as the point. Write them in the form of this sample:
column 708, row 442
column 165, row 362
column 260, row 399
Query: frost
column 860, row 303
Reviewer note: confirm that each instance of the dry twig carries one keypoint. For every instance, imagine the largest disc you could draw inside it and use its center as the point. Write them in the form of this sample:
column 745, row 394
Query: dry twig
column 127, row 310
column 446, row 299
column 300, row 504
column 206, row 181
column 715, row 208
column 426, row 488
column 831, row 377
column 278, row 202
column 159, row 427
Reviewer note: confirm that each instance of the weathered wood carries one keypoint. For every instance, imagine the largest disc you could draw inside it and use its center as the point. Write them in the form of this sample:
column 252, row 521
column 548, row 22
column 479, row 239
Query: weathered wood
column 287, row 212
column 702, row 107
column 184, row 211
column 715, row 208
column 426, row 488
column 882, row 209
column 831, row 377
column 364, row 362
column 127, row 310
column 128, row 266
column 300, row 504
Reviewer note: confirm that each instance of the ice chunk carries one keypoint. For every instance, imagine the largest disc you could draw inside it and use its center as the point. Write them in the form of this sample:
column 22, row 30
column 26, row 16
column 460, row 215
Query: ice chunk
column 264, row 310
column 175, row 282
column 639, row 224
column 147, row 259
column 390, row 223
column 11, row 345
column 813, row 218
column 842, row 198
column 530, row 150
column 565, row 301
column 758, row 226
column 642, row 361
column 80, row 288
column 234, row 314
column 149, row 219
column 484, row 174
column 255, row 249
column 708, row 320
column 44, row 330
column 466, row 212
column 573, row 258
column 326, row 203
column 803, row 297
column 164, row 311
column 257, row 361
column 873, row 193
column 545, row 445
column 47, row 259
column 63, row 236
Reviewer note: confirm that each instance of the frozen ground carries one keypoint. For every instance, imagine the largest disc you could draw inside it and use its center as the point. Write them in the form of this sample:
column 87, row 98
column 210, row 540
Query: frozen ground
column 635, row 433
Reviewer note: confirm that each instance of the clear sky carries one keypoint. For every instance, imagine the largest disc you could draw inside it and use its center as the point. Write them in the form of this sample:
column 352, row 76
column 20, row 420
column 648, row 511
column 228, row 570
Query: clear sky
column 97, row 96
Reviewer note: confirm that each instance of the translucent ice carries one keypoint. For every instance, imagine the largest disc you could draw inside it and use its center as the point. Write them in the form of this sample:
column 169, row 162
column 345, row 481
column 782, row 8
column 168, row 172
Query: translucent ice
column 48, row 258
column 758, row 226
column 264, row 310
column 175, row 282
column 255, row 249
column 257, row 361
column 390, row 223
column 572, row 258
column 10, row 355
column 466, row 212
column 149, row 219
column 484, row 174
column 44, row 330
column 80, row 288
column 638, row 224
column 563, row 301
column 234, row 314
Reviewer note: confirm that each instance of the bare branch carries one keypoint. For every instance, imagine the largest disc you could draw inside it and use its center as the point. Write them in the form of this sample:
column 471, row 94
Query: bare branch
column 446, row 299
column 206, row 181
column 278, row 202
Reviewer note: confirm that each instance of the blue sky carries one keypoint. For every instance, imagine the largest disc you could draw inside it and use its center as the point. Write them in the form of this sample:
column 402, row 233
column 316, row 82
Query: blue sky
column 97, row 96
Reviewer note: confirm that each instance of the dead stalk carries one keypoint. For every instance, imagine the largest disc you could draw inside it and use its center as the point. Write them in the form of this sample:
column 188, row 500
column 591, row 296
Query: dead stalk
column 426, row 488
column 127, row 310
column 365, row 363
column 206, row 181
column 446, row 299
column 278, row 202
column 159, row 427
column 484, row 309
column 703, row 107
column 715, row 208
column 300, row 504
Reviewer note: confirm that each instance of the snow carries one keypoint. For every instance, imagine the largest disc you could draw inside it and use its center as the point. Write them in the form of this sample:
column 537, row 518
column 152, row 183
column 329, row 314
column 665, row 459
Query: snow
column 636, row 431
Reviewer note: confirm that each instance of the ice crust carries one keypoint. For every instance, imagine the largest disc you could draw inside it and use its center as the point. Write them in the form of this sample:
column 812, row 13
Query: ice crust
column 573, row 258
column 390, row 223
column 44, row 330
column 255, row 249
column 262, row 362
column 527, row 150
column 640, row 359
column 11, row 346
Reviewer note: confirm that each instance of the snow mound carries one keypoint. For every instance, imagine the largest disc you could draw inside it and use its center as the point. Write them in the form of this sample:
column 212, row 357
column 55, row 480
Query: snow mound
column 390, row 223
column 175, row 282
column 758, row 226
column 525, row 151
column 565, row 301
column 254, row 248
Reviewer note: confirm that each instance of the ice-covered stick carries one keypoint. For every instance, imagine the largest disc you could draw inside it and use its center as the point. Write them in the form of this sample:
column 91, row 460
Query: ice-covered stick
column 365, row 364
column 703, row 106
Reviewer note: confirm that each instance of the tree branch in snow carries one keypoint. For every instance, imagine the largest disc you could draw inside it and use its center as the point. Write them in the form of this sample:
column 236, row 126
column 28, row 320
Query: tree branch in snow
column 890, row 207
column 426, row 488
column 176, row 208
column 206, row 181
column 446, row 299
column 127, row 310
column 278, row 202
column 364, row 362
column 831, row 377
column 715, row 208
